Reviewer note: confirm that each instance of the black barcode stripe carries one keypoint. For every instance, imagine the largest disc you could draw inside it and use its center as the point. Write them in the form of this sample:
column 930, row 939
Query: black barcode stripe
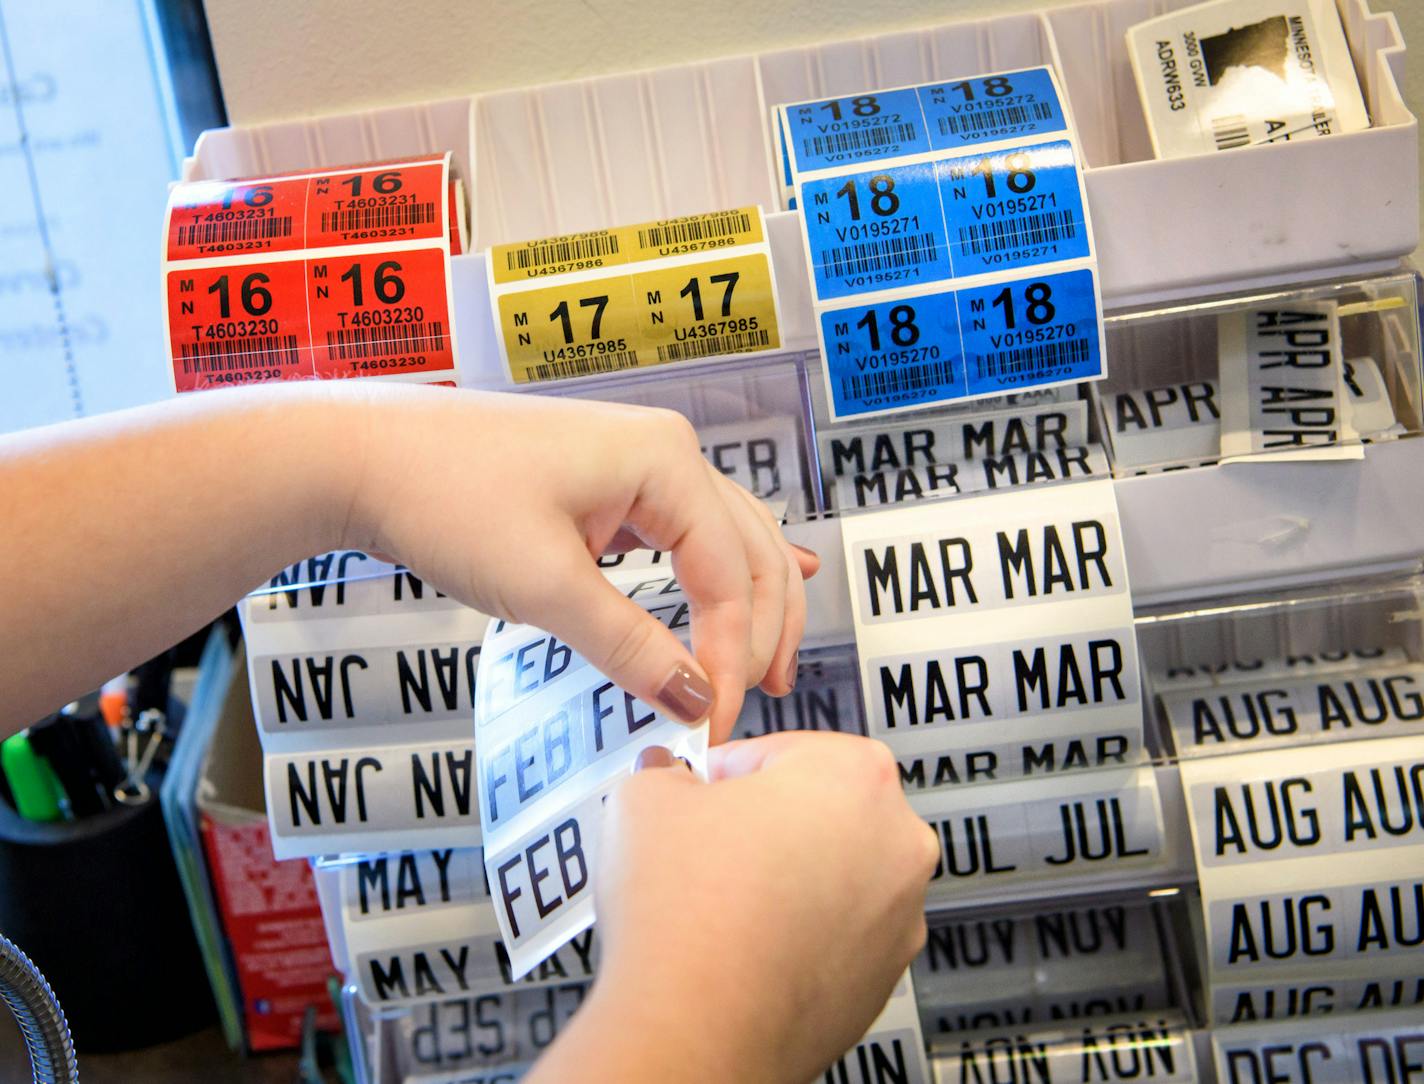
column 543, row 253
column 983, row 120
column 354, row 219
column 242, row 229
column 865, row 257
column 1230, row 132
column 1031, row 229
column 258, row 352
column 896, row 381
column 1032, row 359
column 365, row 342
column 861, row 139
column 739, row 343
column 604, row 363
column 722, row 224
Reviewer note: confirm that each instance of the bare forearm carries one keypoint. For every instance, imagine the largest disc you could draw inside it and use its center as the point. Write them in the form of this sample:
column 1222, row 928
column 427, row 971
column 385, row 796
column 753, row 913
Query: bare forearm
column 127, row 532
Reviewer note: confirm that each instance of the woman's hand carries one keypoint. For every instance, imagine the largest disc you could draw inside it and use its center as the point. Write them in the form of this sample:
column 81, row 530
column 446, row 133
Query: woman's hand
column 505, row 502
column 752, row 927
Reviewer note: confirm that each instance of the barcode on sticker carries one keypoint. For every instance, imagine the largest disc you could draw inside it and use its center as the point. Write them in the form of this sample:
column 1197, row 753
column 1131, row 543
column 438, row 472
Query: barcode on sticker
column 1031, row 229
column 365, row 342
column 1039, row 358
column 690, row 231
column 866, row 257
column 605, row 363
column 354, row 219
column 263, row 352
column 864, row 139
column 739, row 343
column 988, row 120
column 557, row 253
column 891, row 382
column 240, row 230
column 1230, row 132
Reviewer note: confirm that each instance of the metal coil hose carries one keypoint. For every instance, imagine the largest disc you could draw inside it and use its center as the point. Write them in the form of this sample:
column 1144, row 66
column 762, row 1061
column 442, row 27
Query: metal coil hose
column 40, row 1018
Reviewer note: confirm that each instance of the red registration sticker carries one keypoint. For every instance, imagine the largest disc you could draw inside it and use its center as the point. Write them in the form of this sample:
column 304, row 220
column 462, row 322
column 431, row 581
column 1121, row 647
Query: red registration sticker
column 381, row 312
column 336, row 273
column 238, row 324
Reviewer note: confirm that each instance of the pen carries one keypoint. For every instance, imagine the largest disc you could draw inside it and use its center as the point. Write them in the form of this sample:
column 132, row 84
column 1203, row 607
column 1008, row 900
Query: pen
column 32, row 781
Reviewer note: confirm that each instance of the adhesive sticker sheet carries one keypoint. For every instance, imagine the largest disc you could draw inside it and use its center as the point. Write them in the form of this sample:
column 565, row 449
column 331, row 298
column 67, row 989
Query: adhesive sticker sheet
column 554, row 737
column 329, row 273
column 1283, row 383
column 1024, row 840
column 420, row 926
column 362, row 680
column 1384, row 1048
column 948, row 240
column 995, row 635
column 1135, row 1047
column 1033, row 970
column 1309, row 861
column 1241, row 73
column 870, row 464
column 657, row 293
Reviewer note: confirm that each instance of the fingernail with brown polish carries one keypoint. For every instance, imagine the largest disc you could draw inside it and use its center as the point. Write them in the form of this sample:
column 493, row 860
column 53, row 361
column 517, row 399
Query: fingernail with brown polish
column 804, row 551
column 686, row 695
column 791, row 670
column 654, row 756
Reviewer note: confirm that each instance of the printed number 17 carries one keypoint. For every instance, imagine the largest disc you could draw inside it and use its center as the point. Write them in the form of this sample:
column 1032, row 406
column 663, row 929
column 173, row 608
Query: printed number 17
column 597, row 304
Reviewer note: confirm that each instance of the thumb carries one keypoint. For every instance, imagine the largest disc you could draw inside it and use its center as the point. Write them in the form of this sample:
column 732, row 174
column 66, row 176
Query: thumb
column 660, row 756
column 629, row 645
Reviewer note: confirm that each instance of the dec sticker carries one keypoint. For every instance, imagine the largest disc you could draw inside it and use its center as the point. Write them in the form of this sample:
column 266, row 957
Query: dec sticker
column 338, row 273
column 633, row 297
column 921, row 350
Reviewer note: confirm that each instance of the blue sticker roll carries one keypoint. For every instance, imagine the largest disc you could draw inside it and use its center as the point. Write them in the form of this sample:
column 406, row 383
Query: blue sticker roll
column 991, row 108
column 863, row 127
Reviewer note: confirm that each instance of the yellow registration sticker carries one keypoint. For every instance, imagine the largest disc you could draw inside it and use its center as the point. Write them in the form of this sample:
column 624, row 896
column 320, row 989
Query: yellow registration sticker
column 678, row 290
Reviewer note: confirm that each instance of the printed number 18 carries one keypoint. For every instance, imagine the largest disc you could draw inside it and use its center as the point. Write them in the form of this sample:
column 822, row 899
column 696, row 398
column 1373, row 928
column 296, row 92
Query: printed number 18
column 904, row 331
column 1040, row 305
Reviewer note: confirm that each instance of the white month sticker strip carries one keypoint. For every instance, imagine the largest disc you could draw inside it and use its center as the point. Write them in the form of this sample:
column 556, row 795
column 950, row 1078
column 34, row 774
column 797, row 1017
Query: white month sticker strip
column 875, row 464
column 553, row 739
column 362, row 684
column 948, row 241
column 420, row 926
column 1309, row 861
column 1038, row 969
column 1180, row 424
column 461, row 1039
column 1024, row 839
column 1283, row 384
column 1372, row 1048
column 1366, row 702
column 995, row 635
column 1133, row 1047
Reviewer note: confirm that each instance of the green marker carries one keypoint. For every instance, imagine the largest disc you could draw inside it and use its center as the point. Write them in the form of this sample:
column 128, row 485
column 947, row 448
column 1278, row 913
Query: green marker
column 32, row 781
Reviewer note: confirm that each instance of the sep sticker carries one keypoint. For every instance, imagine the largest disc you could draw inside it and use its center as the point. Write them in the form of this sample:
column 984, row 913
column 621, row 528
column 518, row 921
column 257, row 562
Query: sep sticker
column 661, row 292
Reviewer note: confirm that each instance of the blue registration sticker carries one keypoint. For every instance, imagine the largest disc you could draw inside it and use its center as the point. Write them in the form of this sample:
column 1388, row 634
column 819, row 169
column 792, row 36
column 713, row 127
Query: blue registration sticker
column 862, row 127
column 1013, row 208
column 877, row 230
column 1042, row 329
column 991, row 108
column 898, row 353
